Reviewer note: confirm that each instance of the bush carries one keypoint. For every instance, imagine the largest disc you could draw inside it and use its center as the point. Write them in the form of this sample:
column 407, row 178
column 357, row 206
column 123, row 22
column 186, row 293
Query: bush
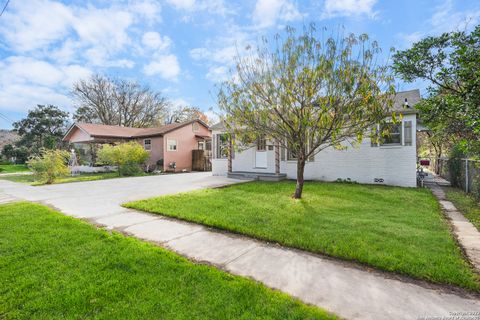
column 455, row 166
column 50, row 165
column 127, row 156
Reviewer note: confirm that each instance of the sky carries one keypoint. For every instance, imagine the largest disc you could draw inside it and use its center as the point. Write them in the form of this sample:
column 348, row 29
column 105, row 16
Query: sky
column 182, row 48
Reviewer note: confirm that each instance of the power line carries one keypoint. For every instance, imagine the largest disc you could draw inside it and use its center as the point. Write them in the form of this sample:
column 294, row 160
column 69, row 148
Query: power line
column 4, row 7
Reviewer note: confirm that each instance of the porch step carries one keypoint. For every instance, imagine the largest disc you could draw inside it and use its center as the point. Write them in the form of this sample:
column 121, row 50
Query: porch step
column 244, row 175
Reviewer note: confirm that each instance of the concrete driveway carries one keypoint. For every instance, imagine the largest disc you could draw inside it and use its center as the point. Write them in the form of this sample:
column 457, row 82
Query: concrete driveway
column 101, row 198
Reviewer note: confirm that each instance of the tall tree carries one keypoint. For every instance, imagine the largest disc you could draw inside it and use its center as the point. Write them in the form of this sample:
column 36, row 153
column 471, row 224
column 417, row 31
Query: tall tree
column 308, row 94
column 185, row 113
column 43, row 127
column 118, row 102
column 450, row 63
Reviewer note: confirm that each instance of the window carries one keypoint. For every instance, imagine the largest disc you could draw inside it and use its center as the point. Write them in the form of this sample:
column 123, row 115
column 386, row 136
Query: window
column 392, row 134
column 292, row 155
column 195, row 127
column 261, row 144
column 147, row 144
column 407, row 133
column 201, row 145
column 171, row 145
column 221, row 143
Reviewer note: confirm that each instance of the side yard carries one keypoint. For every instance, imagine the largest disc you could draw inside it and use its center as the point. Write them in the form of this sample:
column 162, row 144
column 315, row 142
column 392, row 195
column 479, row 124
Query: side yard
column 467, row 204
column 13, row 168
column 395, row 229
column 56, row 267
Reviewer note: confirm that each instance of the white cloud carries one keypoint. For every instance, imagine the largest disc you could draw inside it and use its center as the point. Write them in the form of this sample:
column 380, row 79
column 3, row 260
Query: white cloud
column 23, row 69
column 268, row 12
column 33, row 25
column 166, row 66
column 348, row 8
column 217, row 74
column 444, row 19
column 154, row 40
column 22, row 97
column 409, row 38
column 148, row 9
column 183, row 4
column 26, row 81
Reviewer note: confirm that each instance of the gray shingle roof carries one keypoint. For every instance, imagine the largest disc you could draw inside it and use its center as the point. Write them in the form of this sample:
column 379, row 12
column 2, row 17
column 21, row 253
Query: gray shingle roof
column 412, row 98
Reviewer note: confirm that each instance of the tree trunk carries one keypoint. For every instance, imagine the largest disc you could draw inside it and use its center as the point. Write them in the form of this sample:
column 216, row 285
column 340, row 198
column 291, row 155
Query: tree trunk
column 300, row 181
column 230, row 150
column 277, row 158
column 437, row 162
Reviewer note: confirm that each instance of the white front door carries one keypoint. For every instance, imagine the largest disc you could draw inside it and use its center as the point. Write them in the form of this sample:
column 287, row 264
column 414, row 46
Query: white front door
column 261, row 153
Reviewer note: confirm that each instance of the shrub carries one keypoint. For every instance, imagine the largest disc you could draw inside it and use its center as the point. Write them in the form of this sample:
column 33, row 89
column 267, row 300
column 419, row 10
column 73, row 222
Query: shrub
column 127, row 156
column 455, row 166
column 50, row 165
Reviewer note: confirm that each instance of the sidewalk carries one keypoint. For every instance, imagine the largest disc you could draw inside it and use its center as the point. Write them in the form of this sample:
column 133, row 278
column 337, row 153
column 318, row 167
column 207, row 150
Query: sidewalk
column 343, row 288
column 467, row 235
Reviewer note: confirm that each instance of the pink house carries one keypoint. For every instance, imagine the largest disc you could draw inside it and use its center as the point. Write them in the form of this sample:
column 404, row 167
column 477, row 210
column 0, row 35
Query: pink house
column 170, row 146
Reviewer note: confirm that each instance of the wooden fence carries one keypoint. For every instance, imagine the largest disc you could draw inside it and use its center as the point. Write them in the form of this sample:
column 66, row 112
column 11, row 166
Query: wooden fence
column 201, row 160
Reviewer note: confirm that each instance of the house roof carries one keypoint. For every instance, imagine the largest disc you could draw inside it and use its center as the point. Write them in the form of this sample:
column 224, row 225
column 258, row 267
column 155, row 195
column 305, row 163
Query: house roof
column 109, row 131
column 218, row 126
column 410, row 97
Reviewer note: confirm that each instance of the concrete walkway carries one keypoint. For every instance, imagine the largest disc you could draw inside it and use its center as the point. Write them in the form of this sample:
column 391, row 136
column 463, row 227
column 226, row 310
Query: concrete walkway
column 465, row 232
column 342, row 288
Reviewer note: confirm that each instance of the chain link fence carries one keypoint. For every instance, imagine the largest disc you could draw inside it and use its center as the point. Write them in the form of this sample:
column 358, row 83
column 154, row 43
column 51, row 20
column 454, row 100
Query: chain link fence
column 460, row 172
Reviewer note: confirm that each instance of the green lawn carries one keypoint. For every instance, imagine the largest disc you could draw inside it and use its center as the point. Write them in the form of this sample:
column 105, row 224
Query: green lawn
column 466, row 204
column 56, row 267
column 82, row 177
column 12, row 168
column 390, row 228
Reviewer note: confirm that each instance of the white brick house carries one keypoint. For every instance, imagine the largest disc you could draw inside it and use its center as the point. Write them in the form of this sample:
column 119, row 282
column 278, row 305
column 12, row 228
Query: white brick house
column 391, row 163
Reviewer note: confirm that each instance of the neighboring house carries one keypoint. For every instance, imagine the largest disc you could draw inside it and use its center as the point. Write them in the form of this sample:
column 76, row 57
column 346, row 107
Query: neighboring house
column 169, row 144
column 392, row 162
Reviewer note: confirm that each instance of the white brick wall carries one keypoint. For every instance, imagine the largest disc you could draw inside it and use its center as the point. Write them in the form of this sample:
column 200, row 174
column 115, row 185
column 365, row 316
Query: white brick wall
column 396, row 165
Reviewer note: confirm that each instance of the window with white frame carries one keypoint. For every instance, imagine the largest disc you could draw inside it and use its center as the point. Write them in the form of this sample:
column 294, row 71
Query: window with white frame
column 261, row 144
column 221, row 146
column 195, row 127
column 171, row 145
column 292, row 155
column 407, row 133
column 391, row 134
column 147, row 144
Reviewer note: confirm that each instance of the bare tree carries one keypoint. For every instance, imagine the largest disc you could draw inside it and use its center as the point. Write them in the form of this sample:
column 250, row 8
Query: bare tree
column 185, row 113
column 118, row 102
column 308, row 94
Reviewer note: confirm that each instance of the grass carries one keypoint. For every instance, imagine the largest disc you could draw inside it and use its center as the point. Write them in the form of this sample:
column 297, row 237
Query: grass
column 56, row 267
column 30, row 179
column 394, row 229
column 466, row 203
column 12, row 168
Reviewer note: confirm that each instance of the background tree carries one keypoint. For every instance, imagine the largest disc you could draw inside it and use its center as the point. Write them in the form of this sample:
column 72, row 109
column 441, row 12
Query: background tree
column 308, row 94
column 43, row 127
column 185, row 113
column 15, row 154
column 118, row 102
column 451, row 64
